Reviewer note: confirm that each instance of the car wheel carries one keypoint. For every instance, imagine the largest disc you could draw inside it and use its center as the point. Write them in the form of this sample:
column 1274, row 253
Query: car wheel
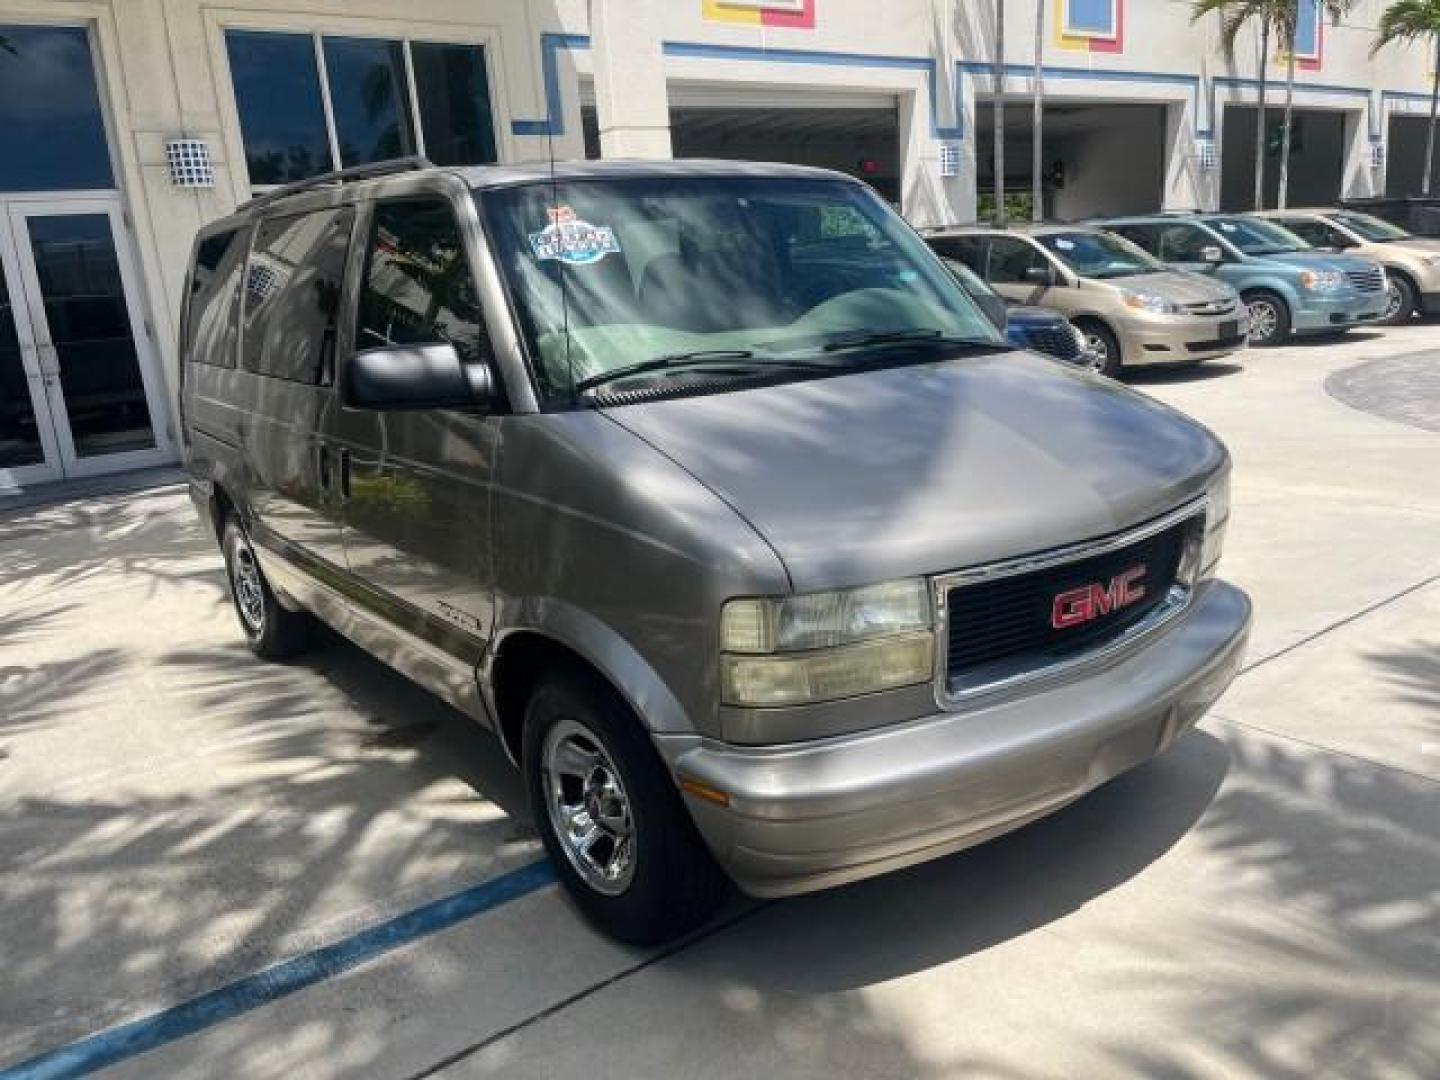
column 272, row 631
column 1402, row 301
column 610, row 815
column 1269, row 318
column 1104, row 347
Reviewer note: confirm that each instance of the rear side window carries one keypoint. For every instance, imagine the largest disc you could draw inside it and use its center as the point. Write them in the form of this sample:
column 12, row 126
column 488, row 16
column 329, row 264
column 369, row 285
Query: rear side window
column 210, row 309
column 417, row 288
column 292, row 295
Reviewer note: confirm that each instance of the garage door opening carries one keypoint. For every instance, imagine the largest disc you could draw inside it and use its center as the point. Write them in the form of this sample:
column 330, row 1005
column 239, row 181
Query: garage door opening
column 1099, row 159
column 1317, row 157
column 861, row 141
column 1406, row 157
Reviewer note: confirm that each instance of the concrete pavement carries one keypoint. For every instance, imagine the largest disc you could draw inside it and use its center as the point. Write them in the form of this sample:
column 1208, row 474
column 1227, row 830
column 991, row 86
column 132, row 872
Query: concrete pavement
column 1263, row 901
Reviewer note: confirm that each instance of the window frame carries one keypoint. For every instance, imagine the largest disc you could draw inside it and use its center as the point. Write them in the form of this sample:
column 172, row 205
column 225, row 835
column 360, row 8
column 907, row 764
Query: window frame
column 219, row 23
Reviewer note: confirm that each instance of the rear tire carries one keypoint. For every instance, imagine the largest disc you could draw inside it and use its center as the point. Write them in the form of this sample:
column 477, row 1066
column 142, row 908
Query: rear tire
column 610, row 816
column 1104, row 346
column 1404, row 300
column 1269, row 318
column 272, row 631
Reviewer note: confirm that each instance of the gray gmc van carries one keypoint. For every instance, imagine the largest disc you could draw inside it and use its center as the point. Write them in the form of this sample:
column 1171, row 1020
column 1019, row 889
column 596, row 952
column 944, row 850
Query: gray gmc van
column 707, row 489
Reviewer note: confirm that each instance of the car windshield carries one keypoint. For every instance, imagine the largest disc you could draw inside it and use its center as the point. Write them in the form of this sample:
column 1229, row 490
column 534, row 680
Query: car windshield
column 1100, row 254
column 1256, row 237
column 1374, row 229
column 653, row 277
column 972, row 282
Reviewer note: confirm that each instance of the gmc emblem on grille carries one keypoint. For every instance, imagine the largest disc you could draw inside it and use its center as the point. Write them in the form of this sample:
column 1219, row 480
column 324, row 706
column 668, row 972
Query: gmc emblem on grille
column 1074, row 607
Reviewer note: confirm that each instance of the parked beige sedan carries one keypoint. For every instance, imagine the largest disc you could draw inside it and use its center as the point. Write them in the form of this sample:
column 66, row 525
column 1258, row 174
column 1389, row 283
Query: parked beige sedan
column 1412, row 263
column 1132, row 308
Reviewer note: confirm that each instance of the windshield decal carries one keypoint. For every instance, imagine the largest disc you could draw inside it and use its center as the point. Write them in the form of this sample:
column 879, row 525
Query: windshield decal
column 1063, row 244
column 571, row 240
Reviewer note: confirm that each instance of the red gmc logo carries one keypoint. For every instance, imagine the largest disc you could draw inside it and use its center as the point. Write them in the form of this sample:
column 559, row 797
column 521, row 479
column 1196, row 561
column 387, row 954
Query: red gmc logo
column 1077, row 606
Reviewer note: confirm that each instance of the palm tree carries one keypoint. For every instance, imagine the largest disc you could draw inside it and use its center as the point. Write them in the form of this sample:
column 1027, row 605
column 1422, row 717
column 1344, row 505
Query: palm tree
column 998, row 81
column 1277, row 21
column 1037, row 123
column 1411, row 20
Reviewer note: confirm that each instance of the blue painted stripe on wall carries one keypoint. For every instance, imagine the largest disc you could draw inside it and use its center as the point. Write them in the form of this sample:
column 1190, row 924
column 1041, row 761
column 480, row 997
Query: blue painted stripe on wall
column 128, row 1040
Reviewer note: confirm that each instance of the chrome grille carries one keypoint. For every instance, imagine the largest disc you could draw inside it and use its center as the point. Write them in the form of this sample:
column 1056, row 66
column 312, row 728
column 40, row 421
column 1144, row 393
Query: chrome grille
column 998, row 622
column 1211, row 307
column 1063, row 342
column 1371, row 280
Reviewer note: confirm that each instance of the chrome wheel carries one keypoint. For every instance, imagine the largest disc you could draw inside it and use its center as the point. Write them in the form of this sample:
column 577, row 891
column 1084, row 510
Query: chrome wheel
column 1395, row 301
column 1099, row 352
column 246, row 582
column 1264, row 320
column 588, row 807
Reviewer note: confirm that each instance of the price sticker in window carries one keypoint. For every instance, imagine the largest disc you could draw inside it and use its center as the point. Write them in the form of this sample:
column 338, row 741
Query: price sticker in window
column 572, row 241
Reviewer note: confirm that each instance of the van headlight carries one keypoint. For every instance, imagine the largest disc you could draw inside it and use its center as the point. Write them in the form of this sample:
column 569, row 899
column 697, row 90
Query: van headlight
column 1147, row 301
column 799, row 650
column 1217, row 517
column 1322, row 280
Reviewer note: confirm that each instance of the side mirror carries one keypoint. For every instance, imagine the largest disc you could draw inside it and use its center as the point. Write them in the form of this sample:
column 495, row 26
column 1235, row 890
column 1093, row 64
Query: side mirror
column 1039, row 275
column 1212, row 253
column 416, row 377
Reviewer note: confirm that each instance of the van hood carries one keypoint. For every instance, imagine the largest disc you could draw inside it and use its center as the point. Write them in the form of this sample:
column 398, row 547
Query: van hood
column 1318, row 260
column 926, row 468
column 1177, row 286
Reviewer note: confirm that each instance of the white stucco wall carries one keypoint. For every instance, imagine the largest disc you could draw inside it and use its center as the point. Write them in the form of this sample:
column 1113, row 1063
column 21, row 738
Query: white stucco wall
column 163, row 73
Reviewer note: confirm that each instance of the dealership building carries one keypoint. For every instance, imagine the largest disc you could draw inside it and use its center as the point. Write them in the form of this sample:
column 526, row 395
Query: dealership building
column 129, row 123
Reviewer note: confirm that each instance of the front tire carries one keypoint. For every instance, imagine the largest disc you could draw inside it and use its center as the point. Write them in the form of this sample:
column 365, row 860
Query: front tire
column 1404, row 301
column 1269, row 318
column 1104, row 347
column 610, row 816
column 272, row 631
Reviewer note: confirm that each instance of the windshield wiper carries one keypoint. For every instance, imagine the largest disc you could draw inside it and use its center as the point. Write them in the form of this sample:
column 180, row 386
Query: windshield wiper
column 919, row 335
column 697, row 358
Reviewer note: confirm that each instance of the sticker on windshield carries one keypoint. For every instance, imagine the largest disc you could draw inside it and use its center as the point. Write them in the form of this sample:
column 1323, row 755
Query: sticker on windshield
column 571, row 240
column 1228, row 226
column 1065, row 245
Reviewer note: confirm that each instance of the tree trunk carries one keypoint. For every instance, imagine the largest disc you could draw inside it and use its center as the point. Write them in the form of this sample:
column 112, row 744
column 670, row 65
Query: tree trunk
column 1260, row 118
column 1037, row 123
column 1284, row 190
column 997, row 83
column 1430, row 133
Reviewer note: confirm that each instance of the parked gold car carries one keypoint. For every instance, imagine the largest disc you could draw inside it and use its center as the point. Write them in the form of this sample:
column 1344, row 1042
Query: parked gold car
column 1412, row 263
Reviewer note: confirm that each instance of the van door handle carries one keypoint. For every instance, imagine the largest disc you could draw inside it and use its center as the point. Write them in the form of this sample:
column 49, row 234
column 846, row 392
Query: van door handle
column 322, row 461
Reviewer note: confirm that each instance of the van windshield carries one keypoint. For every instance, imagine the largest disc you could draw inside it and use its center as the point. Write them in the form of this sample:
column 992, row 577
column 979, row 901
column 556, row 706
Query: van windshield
column 1255, row 236
column 709, row 280
column 1100, row 254
column 1369, row 227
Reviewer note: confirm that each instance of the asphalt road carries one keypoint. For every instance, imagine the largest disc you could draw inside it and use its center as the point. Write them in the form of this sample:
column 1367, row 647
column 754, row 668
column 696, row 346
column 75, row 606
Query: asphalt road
column 176, row 817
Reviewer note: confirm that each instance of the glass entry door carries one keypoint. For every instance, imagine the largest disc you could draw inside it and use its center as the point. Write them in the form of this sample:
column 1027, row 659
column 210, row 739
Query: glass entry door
column 93, row 386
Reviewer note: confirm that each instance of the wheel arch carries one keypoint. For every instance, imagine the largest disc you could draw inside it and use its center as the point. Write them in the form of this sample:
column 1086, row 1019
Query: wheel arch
column 519, row 657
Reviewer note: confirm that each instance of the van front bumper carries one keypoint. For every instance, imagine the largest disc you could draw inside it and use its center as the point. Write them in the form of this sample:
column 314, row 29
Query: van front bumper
column 811, row 815
column 1318, row 314
column 1182, row 339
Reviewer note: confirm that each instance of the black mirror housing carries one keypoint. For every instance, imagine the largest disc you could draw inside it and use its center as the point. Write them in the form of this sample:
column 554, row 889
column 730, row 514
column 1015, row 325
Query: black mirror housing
column 416, row 377
column 1039, row 275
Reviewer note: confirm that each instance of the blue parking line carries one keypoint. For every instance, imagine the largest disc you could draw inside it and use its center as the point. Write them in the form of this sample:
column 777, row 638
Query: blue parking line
column 106, row 1048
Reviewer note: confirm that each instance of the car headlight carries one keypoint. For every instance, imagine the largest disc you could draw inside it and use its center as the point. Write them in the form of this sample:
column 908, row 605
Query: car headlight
column 1322, row 280
column 1217, row 517
column 1150, row 302
column 797, row 650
